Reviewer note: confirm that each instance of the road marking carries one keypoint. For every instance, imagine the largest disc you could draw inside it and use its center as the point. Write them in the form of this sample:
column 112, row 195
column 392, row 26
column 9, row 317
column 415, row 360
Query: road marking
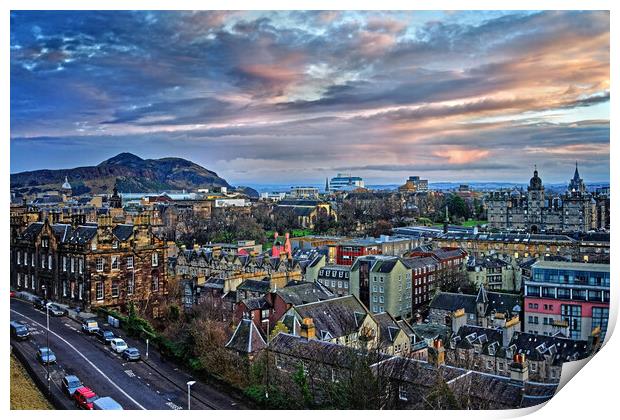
column 130, row 373
column 173, row 406
column 85, row 358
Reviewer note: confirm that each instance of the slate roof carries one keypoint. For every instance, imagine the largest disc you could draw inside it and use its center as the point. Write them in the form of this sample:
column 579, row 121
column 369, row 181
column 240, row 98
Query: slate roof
column 316, row 350
column 498, row 302
column 246, row 338
column 388, row 329
column 304, row 292
column 336, row 317
column 431, row 331
column 419, row 262
column 258, row 286
column 82, row 234
column 122, row 232
column 32, row 231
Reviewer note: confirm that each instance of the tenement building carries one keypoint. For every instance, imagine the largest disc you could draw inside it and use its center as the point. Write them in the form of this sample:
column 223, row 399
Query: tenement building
column 89, row 265
column 535, row 211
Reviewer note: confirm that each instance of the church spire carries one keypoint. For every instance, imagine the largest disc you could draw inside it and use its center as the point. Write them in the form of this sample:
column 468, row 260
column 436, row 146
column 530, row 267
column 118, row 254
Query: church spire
column 576, row 177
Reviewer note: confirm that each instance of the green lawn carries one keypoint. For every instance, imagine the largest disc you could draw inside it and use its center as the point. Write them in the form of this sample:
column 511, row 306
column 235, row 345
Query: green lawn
column 472, row 223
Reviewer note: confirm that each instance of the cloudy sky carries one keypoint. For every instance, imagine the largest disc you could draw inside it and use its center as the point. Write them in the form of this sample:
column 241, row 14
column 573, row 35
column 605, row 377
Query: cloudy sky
column 292, row 97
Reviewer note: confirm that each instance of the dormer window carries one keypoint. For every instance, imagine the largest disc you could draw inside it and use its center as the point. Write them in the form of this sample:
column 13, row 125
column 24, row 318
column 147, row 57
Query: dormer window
column 45, row 243
column 115, row 244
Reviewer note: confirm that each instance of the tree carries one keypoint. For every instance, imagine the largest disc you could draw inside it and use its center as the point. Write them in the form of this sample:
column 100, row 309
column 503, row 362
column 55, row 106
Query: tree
column 381, row 227
column 278, row 328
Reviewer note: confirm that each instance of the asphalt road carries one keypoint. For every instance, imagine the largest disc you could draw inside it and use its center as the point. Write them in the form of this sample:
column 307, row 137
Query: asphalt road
column 152, row 385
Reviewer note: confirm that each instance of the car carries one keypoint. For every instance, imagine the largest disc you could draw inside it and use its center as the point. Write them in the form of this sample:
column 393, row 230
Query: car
column 84, row 397
column 19, row 330
column 56, row 310
column 13, row 293
column 70, row 383
column 39, row 303
column 105, row 336
column 118, row 345
column 106, row 403
column 131, row 353
column 89, row 326
column 46, row 355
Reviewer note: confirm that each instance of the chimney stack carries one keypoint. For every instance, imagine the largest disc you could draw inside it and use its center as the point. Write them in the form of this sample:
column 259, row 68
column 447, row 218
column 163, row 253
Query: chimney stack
column 308, row 330
column 437, row 353
column 518, row 369
column 458, row 319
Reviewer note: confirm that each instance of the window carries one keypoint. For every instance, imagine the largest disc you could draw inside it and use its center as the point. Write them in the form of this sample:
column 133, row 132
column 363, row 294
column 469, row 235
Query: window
column 19, row 257
column 73, row 264
column 64, row 264
column 64, row 288
column 131, row 285
column 600, row 317
column 49, row 261
column 380, row 299
column 115, row 288
column 19, row 279
column 340, row 284
column 334, row 376
column 42, row 261
column 80, row 291
column 99, row 290
column 93, row 246
column 99, row 264
column 402, row 393
column 155, row 282
column 115, row 260
column 80, row 265
column 264, row 314
column 115, row 244
column 32, row 259
column 155, row 259
column 129, row 262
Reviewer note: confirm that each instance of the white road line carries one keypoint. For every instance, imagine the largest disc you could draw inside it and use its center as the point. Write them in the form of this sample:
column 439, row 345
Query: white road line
column 85, row 358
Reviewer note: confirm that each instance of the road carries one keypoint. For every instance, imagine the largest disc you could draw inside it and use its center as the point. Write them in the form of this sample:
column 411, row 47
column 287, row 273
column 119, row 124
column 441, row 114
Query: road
column 151, row 385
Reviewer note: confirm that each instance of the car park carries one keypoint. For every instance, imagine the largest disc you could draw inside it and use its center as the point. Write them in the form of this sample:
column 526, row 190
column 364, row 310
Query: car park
column 118, row 345
column 105, row 336
column 19, row 330
column 46, row 355
column 84, row 398
column 70, row 383
column 89, row 326
column 106, row 403
column 131, row 354
column 56, row 310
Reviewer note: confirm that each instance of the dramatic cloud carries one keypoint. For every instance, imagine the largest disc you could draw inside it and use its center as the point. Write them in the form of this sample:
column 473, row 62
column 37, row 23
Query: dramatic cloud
column 286, row 97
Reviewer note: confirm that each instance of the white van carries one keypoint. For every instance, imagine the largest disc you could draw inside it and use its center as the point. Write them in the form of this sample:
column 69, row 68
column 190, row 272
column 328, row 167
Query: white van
column 106, row 403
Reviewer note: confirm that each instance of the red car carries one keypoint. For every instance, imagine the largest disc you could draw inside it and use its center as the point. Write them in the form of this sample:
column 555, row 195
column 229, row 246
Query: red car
column 84, row 398
column 13, row 294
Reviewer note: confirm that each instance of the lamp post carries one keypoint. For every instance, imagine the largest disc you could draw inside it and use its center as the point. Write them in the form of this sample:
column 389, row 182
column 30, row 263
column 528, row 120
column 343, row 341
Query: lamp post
column 47, row 339
column 189, row 394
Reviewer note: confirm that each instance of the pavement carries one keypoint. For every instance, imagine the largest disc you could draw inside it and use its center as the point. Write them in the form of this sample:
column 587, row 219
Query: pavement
column 152, row 384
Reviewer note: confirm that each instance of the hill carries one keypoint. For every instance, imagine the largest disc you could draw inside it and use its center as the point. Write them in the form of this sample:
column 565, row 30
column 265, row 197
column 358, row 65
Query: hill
column 127, row 171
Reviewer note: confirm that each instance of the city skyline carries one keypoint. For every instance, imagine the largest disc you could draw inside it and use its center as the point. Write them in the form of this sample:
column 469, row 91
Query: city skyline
column 294, row 97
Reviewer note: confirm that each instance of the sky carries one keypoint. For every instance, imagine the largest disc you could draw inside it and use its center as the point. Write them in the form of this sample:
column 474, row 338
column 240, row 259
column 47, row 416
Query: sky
column 295, row 97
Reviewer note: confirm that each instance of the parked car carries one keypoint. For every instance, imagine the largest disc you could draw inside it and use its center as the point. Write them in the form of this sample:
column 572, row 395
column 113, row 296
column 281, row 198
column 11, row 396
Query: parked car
column 105, row 336
column 46, row 355
column 56, row 310
column 131, row 353
column 13, row 293
column 19, row 330
column 84, row 397
column 118, row 345
column 89, row 326
column 39, row 303
column 106, row 403
column 70, row 383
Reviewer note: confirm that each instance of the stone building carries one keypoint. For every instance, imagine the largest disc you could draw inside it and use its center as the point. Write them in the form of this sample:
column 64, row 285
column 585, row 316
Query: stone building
column 535, row 211
column 90, row 265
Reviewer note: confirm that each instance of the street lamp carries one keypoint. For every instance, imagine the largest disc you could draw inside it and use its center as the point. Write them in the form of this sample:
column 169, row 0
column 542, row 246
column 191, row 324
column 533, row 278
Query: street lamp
column 47, row 339
column 189, row 395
